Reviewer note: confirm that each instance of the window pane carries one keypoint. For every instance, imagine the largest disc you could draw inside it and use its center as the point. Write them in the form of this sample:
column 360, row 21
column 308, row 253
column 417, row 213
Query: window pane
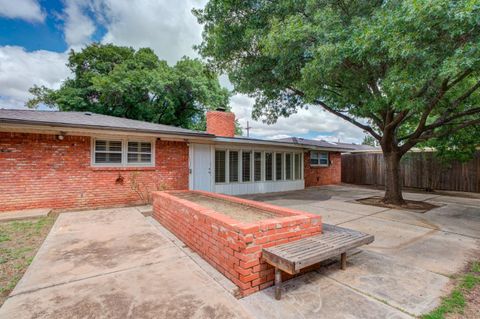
column 115, row 146
column 133, row 146
column 146, row 147
column 108, row 152
column 298, row 167
column 278, row 166
column 288, row 166
column 102, row 158
column 220, row 167
column 323, row 159
column 257, row 157
column 133, row 158
column 313, row 158
column 268, row 166
column 233, row 164
column 246, row 167
column 139, row 158
column 100, row 145
column 146, row 158
column 139, row 152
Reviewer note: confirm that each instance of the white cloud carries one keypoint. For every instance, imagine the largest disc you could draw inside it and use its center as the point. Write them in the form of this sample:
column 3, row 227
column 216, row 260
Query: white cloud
column 20, row 70
column 312, row 121
column 28, row 10
column 79, row 27
column 171, row 30
column 168, row 27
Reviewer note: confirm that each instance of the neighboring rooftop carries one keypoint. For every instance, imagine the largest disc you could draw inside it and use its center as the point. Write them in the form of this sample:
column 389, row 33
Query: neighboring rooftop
column 89, row 120
column 358, row 147
column 348, row 147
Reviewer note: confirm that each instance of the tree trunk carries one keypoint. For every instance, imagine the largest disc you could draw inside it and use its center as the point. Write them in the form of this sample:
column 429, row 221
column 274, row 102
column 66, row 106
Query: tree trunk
column 393, row 179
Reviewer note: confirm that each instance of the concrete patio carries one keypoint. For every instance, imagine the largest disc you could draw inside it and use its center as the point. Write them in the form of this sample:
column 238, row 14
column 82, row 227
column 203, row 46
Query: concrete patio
column 116, row 264
column 403, row 273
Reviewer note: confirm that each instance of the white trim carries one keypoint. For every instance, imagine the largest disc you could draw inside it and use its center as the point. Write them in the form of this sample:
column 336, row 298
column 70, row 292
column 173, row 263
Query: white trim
column 124, row 141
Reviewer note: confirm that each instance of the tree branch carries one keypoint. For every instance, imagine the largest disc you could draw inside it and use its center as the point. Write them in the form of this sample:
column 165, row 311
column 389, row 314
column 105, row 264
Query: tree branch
column 466, row 95
column 448, row 132
column 445, row 121
column 459, row 78
column 364, row 127
column 423, row 119
column 396, row 120
column 367, row 128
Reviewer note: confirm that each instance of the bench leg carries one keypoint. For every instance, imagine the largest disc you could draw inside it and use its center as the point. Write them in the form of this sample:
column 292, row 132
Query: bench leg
column 278, row 283
column 343, row 261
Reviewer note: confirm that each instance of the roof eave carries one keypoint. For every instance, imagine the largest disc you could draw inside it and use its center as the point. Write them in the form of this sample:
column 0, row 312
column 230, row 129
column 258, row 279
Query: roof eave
column 102, row 127
column 277, row 143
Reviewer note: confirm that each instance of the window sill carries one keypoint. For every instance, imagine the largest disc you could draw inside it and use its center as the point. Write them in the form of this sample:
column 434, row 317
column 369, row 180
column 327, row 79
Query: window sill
column 123, row 168
column 318, row 165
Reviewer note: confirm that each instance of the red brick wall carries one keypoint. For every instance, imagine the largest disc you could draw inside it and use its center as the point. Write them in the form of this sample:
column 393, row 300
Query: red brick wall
column 221, row 123
column 234, row 248
column 38, row 170
column 316, row 175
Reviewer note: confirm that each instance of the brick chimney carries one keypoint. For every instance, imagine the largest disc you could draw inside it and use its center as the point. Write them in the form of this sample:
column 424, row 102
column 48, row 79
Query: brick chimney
column 221, row 123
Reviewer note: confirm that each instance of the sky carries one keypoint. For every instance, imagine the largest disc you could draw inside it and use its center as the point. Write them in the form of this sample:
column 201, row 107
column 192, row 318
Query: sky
column 36, row 36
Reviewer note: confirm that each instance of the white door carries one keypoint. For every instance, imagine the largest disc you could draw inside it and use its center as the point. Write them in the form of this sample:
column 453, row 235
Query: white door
column 201, row 167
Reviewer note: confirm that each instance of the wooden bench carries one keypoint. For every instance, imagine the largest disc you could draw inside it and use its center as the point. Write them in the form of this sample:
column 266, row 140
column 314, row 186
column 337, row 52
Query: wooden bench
column 297, row 255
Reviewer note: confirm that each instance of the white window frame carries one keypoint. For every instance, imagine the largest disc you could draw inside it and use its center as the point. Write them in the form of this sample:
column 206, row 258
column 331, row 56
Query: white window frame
column 263, row 152
column 227, row 166
column 262, row 164
column 239, row 159
column 300, row 162
column 265, row 166
column 251, row 166
column 318, row 156
column 124, row 162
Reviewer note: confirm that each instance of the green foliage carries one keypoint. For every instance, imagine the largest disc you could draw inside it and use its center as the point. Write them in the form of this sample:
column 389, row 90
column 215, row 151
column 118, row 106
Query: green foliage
column 120, row 81
column 19, row 241
column 405, row 71
column 369, row 140
column 459, row 146
column 452, row 304
column 456, row 302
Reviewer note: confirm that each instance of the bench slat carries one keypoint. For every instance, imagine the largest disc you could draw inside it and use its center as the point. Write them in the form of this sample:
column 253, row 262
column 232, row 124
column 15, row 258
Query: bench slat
column 293, row 257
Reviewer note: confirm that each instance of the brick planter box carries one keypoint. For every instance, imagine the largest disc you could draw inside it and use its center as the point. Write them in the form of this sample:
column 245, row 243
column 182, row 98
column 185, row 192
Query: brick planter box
column 232, row 246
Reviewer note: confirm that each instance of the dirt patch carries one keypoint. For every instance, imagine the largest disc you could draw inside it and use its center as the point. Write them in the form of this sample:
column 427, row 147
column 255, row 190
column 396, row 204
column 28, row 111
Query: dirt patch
column 240, row 212
column 410, row 205
column 472, row 307
column 19, row 242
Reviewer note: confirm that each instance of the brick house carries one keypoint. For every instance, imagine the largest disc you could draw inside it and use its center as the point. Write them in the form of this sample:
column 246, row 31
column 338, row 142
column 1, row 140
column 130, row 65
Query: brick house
column 66, row 160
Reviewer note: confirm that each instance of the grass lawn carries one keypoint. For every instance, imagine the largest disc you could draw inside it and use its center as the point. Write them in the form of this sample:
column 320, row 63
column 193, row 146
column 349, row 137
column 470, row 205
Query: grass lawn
column 19, row 242
column 464, row 300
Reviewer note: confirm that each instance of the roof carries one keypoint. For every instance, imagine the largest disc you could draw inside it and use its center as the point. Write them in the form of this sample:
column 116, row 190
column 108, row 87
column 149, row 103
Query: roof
column 358, row 147
column 90, row 120
column 316, row 143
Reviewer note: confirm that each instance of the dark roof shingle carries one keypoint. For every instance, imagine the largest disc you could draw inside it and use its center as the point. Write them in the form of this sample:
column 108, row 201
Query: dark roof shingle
column 90, row 120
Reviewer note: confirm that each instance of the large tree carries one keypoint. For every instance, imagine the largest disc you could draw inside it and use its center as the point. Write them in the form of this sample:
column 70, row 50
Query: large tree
column 120, row 81
column 405, row 71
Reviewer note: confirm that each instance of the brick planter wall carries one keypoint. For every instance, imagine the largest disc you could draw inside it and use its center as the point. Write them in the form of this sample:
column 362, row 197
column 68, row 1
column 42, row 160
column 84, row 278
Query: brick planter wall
column 316, row 175
column 38, row 170
column 232, row 247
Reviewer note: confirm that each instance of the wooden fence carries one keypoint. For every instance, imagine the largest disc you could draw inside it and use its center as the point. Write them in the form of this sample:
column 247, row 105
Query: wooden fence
column 419, row 170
